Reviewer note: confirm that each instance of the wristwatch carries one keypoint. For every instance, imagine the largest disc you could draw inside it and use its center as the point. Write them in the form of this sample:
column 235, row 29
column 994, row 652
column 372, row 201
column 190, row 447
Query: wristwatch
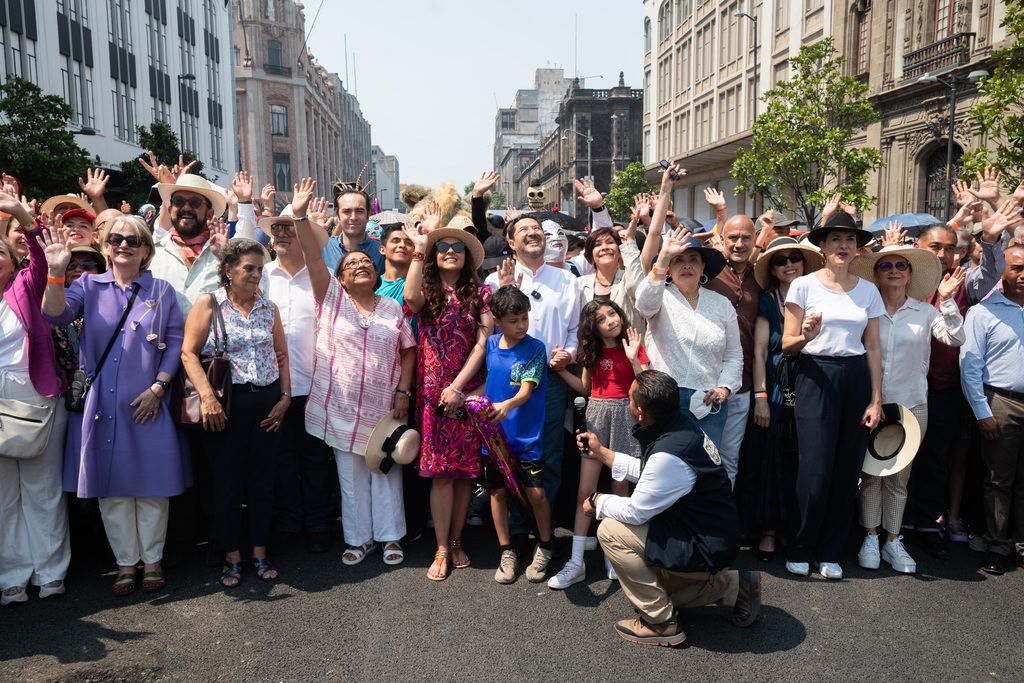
column 166, row 386
column 593, row 499
column 403, row 391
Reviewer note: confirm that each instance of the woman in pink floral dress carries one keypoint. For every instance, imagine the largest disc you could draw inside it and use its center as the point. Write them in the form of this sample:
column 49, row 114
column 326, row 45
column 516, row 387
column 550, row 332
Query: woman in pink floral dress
column 454, row 323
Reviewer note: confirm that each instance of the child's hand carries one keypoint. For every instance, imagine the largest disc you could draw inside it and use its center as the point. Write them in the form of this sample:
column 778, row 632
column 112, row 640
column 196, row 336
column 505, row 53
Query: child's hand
column 631, row 344
column 560, row 358
column 499, row 411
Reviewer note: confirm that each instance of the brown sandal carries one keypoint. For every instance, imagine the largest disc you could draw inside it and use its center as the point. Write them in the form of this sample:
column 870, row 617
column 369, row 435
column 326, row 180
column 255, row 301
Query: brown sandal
column 456, row 549
column 440, row 556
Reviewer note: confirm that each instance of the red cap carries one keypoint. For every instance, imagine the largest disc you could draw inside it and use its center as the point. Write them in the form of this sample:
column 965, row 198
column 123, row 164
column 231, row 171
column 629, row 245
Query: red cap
column 78, row 213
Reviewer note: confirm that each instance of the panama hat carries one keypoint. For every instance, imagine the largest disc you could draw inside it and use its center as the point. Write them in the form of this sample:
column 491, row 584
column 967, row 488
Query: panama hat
column 813, row 260
column 462, row 223
column 893, row 444
column 53, row 202
column 839, row 221
column 926, row 269
column 391, row 441
column 197, row 184
column 288, row 216
column 473, row 246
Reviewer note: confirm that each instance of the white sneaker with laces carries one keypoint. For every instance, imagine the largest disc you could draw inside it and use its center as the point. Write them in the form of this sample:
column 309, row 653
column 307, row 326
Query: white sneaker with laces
column 572, row 573
column 830, row 570
column 798, row 568
column 612, row 576
column 895, row 554
column 868, row 556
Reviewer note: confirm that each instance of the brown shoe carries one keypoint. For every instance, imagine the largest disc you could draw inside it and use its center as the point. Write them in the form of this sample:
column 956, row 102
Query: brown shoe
column 748, row 601
column 667, row 634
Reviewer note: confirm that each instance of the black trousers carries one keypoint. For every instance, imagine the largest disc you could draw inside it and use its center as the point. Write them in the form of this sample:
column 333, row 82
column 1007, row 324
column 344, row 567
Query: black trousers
column 927, row 490
column 831, row 396
column 306, row 476
column 243, row 460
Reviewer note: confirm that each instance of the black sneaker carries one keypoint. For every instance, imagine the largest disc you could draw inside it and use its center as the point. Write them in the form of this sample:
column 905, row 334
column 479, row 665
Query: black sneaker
column 934, row 544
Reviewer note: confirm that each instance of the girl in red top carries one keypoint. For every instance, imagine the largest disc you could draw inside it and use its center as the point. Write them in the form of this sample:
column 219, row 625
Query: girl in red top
column 611, row 356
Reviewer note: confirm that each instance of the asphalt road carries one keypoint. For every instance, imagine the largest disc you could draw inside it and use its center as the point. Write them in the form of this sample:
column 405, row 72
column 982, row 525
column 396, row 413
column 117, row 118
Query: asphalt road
column 325, row 621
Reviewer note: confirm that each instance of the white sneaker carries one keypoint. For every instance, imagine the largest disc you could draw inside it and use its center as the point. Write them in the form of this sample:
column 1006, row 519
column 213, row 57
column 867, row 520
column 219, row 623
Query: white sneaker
column 52, row 588
column 895, row 554
column 868, row 556
column 798, row 568
column 612, row 576
column 572, row 573
column 591, row 543
column 13, row 594
column 830, row 570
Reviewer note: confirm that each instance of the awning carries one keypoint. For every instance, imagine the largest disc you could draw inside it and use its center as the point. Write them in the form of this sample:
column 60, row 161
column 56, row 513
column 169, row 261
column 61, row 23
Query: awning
column 709, row 155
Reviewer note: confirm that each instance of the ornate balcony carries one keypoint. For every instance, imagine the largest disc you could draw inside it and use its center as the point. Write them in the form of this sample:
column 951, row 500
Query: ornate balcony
column 277, row 70
column 942, row 55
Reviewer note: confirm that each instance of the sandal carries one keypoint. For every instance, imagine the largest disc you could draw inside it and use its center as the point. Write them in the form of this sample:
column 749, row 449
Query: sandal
column 358, row 553
column 956, row 531
column 124, row 584
column 232, row 572
column 441, row 556
column 393, row 550
column 153, row 581
column 456, row 551
column 261, row 566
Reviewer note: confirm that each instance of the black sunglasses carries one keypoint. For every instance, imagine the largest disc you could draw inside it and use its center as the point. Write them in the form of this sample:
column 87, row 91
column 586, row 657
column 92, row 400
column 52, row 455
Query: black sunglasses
column 885, row 267
column 282, row 228
column 114, row 239
column 84, row 264
column 783, row 260
column 457, row 247
column 195, row 202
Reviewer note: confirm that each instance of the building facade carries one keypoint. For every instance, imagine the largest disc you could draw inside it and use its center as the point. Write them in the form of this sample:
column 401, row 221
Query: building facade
column 122, row 65
column 385, row 180
column 295, row 119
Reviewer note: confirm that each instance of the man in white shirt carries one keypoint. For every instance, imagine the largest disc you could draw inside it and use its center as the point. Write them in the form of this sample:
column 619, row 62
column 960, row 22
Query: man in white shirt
column 670, row 542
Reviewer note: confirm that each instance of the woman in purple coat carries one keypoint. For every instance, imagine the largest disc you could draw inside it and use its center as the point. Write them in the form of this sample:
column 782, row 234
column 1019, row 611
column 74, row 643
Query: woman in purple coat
column 124, row 448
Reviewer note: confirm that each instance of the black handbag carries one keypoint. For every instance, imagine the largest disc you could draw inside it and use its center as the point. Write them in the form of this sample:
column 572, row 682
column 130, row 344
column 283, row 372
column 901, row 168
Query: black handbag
column 186, row 404
column 80, row 383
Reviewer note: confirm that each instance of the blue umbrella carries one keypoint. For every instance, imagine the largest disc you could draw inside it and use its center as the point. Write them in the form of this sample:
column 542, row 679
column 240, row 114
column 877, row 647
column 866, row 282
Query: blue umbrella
column 912, row 223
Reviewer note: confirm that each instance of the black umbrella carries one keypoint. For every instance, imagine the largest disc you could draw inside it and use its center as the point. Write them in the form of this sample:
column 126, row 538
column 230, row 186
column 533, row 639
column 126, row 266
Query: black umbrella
column 691, row 224
column 567, row 222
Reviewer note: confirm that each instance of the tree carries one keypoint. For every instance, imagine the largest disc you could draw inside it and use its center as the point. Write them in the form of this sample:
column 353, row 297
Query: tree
column 498, row 198
column 1000, row 114
column 159, row 139
column 801, row 149
column 35, row 145
column 628, row 183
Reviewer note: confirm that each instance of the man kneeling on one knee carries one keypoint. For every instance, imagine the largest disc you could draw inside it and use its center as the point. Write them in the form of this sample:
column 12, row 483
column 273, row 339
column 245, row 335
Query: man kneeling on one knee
column 672, row 541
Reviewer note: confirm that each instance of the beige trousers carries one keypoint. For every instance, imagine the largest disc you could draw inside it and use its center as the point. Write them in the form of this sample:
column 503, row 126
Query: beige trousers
column 136, row 528
column 655, row 592
column 882, row 499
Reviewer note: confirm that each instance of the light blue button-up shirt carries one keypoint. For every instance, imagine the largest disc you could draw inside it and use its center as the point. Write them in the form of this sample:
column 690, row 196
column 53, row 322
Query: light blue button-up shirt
column 994, row 351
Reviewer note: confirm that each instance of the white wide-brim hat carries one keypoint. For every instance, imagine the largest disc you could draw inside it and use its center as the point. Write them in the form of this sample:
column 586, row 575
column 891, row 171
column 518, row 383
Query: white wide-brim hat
column 199, row 185
column 893, row 444
column 926, row 269
column 391, row 441
column 288, row 216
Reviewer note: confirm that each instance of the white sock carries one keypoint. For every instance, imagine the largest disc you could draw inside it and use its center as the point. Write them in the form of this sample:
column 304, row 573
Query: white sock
column 578, row 546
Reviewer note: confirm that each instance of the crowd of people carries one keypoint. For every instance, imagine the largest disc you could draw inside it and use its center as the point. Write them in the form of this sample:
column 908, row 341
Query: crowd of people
column 204, row 373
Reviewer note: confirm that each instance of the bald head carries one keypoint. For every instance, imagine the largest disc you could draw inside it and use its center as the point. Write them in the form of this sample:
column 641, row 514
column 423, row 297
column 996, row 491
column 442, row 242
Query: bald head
column 738, row 236
column 1013, row 274
column 101, row 220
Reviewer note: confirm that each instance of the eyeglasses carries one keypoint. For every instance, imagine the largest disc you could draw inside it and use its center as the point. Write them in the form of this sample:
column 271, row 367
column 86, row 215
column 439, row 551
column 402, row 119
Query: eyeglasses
column 282, row 228
column 457, row 247
column 783, row 260
column 195, row 202
column 353, row 265
column 528, row 229
column 114, row 239
column 84, row 264
column 886, row 266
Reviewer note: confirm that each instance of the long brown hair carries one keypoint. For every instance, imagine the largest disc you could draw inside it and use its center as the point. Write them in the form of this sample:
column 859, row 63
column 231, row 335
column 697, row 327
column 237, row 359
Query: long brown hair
column 467, row 290
column 590, row 343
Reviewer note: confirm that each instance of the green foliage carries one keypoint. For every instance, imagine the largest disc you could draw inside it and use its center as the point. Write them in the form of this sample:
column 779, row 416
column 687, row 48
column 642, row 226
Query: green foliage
column 1000, row 114
column 800, row 150
column 468, row 189
column 498, row 199
column 35, row 145
column 628, row 183
column 160, row 139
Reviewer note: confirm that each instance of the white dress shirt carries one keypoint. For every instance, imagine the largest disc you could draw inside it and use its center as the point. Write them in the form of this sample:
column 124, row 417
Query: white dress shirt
column 664, row 480
column 907, row 348
column 294, row 298
column 554, row 310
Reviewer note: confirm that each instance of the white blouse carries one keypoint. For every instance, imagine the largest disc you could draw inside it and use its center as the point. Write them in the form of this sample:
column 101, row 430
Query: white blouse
column 907, row 347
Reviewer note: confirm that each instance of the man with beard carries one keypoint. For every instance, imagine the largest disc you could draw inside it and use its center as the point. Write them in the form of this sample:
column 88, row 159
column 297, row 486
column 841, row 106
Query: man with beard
column 352, row 207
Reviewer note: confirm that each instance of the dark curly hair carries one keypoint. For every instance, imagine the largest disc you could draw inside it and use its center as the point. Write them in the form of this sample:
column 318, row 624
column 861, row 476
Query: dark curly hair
column 232, row 253
column 590, row 344
column 467, row 289
column 592, row 238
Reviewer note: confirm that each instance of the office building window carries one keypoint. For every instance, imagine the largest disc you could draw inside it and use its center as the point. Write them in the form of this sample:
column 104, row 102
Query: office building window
column 665, row 21
column 74, row 40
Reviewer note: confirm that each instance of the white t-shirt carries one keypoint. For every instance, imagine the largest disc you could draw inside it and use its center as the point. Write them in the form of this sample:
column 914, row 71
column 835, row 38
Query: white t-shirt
column 13, row 343
column 844, row 315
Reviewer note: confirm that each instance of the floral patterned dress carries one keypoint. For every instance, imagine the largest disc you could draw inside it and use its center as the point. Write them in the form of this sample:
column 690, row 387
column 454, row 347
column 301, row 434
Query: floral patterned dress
column 450, row 448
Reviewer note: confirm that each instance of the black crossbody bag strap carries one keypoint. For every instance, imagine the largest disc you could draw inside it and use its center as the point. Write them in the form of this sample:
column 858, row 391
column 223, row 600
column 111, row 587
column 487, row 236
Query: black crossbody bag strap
column 117, row 331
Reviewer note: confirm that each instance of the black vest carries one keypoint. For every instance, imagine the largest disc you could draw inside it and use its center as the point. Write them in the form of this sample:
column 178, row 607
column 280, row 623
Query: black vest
column 700, row 531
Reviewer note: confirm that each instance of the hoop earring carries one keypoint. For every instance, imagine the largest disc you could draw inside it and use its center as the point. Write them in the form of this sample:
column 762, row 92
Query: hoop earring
column 703, row 279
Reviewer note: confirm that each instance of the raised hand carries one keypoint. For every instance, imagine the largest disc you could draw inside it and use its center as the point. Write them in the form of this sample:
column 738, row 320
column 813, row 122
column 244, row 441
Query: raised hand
column 963, row 193
column 485, row 183
column 1007, row 217
column 242, row 186
column 560, row 358
column 432, row 219
column 950, row 281
column 1018, row 194
column 629, row 234
column 126, row 208
column 589, row 194
column 642, row 208
column 267, row 196
column 181, row 168
column 631, row 344
column 715, row 198
column 715, row 242
column 318, row 210
column 10, row 184
column 31, row 205
column 988, row 186
column 670, row 175
column 674, row 243
column 848, row 208
column 894, row 234
column 507, row 274
column 511, row 213
column 9, row 204
column 56, row 250
column 95, row 184
column 157, row 170
column 301, row 196
column 418, row 239
column 218, row 235
column 831, row 206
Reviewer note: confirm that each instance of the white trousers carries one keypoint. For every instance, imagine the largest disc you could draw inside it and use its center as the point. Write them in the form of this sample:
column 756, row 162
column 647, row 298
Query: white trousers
column 35, row 544
column 136, row 528
column 732, row 435
column 371, row 503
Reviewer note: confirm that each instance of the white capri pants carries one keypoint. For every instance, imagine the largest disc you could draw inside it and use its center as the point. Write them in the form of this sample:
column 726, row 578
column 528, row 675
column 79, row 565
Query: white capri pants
column 371, row 503
column 136, row 528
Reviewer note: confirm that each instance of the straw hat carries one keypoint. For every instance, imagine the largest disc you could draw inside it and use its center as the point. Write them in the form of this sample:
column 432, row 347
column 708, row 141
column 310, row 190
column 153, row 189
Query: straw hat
column 462, row 223
column 813, row 260
column 198, row 185
column 893, row 444
column 473, row 246
column 925, row 266
column 53, row 202
column 391, row 441
column 287, row 216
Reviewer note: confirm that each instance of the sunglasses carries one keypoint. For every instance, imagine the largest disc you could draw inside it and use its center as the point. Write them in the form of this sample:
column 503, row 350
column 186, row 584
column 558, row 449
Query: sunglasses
column 886, row 266
column 783, row 260
column 114, row 239
column 457, row 247
column 282, row 229
column 84, row 264
column 194, row 202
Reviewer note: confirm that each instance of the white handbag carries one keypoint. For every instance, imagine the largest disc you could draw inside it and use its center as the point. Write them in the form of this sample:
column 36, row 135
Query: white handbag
column 25, row 427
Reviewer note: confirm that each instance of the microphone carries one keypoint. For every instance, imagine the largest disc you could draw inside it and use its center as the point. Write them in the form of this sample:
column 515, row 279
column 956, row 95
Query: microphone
column 580, row 420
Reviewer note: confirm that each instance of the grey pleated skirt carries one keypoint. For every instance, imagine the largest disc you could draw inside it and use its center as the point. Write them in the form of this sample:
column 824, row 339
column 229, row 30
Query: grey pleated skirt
column 609, row 419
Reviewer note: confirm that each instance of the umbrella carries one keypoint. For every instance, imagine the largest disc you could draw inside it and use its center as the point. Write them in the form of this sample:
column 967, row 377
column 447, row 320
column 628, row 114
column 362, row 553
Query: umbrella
column 691, row 224
column 709, row 226
column 479, row 409
column 569, row 223
column 912, row 223
column 386, row 217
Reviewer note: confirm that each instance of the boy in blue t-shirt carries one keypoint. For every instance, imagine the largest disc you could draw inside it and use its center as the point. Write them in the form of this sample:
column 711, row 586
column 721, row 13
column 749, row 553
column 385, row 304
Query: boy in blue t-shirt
column 516, row 376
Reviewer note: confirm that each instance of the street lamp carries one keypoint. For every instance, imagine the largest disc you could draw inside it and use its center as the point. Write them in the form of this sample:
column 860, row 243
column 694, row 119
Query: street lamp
column 181, row 110
column 753, row 19
column 589, row 138
column 972, row 77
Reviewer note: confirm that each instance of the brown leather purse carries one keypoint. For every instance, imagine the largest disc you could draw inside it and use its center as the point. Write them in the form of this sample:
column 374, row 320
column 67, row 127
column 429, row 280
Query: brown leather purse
column 186, row 405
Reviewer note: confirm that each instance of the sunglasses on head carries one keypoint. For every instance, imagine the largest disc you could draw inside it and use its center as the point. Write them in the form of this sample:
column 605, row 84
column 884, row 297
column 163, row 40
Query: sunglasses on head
column 195, row 202
column 886, row 266
column 457, row 247
column 84, row 264
column 282, row 229
column 783, row 260
column 114, row 239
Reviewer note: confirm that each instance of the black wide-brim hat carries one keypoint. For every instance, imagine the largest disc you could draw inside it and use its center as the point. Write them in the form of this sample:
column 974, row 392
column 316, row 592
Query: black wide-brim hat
column 714, row 260
column 839, row 221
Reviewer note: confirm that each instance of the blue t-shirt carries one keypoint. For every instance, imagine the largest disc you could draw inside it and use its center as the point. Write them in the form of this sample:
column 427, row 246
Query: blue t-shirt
column 335, row 249
column 395, row 289
column 507, row 369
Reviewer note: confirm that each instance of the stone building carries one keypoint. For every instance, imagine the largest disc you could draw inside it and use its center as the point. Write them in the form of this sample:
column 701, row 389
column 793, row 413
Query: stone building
column 294, row 117
column 386, row 184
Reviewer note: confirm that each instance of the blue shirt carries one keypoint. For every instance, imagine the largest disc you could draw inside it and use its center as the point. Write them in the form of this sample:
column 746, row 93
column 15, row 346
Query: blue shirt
column 395, row 289
column 507, row 369
column 335, row 249
column 993, row 353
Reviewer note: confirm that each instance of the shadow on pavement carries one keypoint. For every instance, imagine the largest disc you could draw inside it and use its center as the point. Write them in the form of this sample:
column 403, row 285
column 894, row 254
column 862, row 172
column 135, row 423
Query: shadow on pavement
column 775, row 630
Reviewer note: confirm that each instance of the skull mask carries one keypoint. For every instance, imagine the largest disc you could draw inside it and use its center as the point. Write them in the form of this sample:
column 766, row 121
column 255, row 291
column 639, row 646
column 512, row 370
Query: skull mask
column 535, row 197
column 556, row 244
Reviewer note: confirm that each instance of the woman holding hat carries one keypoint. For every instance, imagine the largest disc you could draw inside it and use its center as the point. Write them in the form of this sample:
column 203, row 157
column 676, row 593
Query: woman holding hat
column 692, row 333
column 241, row 448
column 767, row 470
column 905, row 277
column 454, row 323
column 363, row 370
column 832, row 322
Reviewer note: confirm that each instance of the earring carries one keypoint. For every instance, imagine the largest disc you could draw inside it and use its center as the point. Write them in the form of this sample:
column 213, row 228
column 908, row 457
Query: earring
column 703, row 279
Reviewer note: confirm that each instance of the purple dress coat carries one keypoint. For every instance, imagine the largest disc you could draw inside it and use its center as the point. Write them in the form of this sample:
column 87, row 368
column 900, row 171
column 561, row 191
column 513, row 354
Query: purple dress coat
column 107, row 454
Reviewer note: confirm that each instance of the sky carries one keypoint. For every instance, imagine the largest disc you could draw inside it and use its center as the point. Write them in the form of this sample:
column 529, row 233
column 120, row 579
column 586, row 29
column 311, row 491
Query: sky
column 431, row 74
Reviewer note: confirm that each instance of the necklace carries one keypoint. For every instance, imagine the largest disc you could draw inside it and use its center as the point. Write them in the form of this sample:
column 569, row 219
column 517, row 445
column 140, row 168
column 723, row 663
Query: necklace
column 597, row 277
column 366, row 320
column 692, row 298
